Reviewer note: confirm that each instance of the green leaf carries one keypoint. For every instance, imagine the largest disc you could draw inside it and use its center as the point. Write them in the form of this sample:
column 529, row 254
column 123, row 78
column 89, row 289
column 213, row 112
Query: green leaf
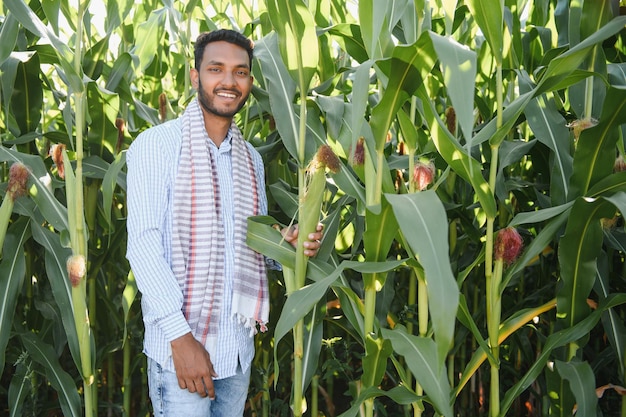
column 18, row 390
column 400, row 394
column 407, row 67
column 457, row 157
column 360, row 97
column 423, row 222
column 301, row 301
column 113, row 177
column 266, row 240
column 422, row 358
column 376, row 38
column 459, row 72
column 609, row 185
column 614, row 326
column 313, row 334
column 12, row 273
column 56, row 258
column 539, row 244
column 128, row 297
column 465, row 317
column 549, row 127
column 8, row 36
column 31, row 22
column 595, row 152
column 103, row 108
column 489, row 15
column 567, row 62
column 381, row 229
column 298, row 44
column 578, row 250
column 582, row 383
column 51, row 8
column 60, row 380
column 509, row 326
column 148, row 38
column 27, row 97
column 377, row 351
column 54, row 212
column 281, row 89
column 556, row 340
column 348, row 36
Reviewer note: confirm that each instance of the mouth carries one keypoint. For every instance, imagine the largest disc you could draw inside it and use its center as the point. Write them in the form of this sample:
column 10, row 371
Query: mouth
column 227, row 95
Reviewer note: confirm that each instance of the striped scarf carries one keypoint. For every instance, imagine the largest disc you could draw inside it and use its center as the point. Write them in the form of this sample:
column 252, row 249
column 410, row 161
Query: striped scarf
column 198, row 237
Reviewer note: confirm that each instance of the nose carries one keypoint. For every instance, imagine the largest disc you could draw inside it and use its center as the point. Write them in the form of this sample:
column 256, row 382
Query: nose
column 228, row 79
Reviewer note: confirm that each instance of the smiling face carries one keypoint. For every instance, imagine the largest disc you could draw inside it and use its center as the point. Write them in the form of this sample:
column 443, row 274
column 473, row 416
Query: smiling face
column 223, row 79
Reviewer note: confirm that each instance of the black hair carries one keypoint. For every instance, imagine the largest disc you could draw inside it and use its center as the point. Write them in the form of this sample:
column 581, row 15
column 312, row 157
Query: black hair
column 226, row 35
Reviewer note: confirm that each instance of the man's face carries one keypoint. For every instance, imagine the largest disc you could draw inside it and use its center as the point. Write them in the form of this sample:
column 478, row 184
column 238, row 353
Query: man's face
column 223, row 80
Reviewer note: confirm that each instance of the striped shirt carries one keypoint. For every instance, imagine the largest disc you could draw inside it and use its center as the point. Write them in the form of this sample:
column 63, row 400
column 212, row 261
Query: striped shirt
column 152, row 162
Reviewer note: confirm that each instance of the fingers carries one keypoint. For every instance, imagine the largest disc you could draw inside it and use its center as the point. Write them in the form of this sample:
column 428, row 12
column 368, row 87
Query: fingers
column 193, row 365
column 208, row 388
column 312, row 245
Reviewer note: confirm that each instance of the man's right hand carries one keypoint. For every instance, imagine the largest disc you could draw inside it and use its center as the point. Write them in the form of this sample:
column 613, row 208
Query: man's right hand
column 193, row 366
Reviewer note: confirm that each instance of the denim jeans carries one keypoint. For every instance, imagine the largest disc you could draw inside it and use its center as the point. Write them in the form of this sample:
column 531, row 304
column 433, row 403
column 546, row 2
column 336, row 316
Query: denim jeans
column 169, row 400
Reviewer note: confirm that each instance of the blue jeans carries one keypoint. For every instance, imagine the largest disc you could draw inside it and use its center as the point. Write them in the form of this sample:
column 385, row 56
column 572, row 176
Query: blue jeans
column 169, row 400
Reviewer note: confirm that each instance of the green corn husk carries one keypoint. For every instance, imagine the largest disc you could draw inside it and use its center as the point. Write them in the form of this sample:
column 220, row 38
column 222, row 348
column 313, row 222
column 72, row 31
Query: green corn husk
column 5, row 215
column 18, row 178
column 311, row 204
column 310, row 207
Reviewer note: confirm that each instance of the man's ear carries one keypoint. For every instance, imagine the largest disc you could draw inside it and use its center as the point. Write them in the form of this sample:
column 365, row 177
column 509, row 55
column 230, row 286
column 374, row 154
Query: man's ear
column 193, row 75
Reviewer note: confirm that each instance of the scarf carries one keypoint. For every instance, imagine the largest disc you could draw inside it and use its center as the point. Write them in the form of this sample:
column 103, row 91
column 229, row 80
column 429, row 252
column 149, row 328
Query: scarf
column 198, row 238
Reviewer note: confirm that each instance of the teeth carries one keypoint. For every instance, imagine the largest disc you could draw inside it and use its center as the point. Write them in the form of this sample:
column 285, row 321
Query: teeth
column 227, row 95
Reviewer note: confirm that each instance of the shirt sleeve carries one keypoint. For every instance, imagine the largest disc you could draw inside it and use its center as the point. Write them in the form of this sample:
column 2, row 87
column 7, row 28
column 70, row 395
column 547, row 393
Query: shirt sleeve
column 150, row 161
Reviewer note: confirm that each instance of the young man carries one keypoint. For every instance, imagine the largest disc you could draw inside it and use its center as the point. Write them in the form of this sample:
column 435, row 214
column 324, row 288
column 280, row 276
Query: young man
column 192, row 182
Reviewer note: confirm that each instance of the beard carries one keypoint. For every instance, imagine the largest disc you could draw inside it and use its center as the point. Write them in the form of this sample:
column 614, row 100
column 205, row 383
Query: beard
column 208, row 105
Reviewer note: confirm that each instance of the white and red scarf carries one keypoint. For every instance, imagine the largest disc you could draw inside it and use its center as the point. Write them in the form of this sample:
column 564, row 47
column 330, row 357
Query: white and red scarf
column 198, row 236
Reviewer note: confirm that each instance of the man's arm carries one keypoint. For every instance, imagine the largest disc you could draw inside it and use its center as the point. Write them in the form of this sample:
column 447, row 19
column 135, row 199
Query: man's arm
column 148, row 202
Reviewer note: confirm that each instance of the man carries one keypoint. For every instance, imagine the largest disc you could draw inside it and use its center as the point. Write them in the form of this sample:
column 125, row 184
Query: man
column 192, row 182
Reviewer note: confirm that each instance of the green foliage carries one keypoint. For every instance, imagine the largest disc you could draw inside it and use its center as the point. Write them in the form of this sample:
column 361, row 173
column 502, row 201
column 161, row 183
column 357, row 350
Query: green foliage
column 520, row 107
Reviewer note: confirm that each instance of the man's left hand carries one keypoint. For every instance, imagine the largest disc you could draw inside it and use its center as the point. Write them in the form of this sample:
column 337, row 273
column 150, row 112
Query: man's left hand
column 311, row 246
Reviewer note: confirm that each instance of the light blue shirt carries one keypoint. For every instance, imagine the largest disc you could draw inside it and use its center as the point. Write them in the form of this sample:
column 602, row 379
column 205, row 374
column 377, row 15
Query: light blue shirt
column 152, row 162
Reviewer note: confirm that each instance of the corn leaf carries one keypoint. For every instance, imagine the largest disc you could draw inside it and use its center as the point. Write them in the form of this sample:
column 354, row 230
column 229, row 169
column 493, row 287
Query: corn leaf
column 60, row 380
column 595, row 153
column 582, row 383
column 297, row 39
column 12, row 273
column 31, row 22
column 458, row 158
column 8, row 36
column 556, row 340
column 423, row 222
column 55, row 259
column 281, row 90
column 422, row 357
column 458, row 64
column 489, row 15
column 301, row 301
column 54, row 212
column 18, row 390
column 407, row 67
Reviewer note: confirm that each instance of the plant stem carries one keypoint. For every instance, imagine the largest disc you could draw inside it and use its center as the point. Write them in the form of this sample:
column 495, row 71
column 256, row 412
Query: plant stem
column 370, row 305
column 298, row 352
column 126, row 378
column 493, row 280
column 370, row 314
column 315, row 395
column 265, row 399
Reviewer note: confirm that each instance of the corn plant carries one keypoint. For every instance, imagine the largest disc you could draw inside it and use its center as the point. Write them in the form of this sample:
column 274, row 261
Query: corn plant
column 464, row 130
